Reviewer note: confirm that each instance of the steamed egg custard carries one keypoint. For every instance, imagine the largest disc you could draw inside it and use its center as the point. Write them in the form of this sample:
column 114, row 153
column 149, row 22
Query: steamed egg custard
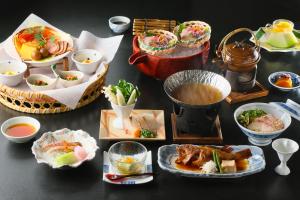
column 10, row 73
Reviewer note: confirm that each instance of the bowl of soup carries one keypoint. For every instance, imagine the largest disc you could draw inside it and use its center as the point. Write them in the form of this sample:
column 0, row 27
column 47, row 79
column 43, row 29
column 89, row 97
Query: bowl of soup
column 196, row 97
column 20, row 129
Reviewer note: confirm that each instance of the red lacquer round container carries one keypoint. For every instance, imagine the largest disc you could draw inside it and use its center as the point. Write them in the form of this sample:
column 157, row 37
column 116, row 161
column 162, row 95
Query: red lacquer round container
column 160, row 67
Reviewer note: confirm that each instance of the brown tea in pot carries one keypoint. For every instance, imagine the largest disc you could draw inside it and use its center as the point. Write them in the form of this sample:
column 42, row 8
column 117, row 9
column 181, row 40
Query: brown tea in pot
column 240, row 60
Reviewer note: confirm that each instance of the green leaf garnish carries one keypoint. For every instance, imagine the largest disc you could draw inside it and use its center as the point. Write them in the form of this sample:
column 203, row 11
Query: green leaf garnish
column 145, row 133
column 180, row 29
column 148, row 34
column 52, row 39
column 260, row 32
column 248, row 116
column 39, row 37
column 296, row 33
column 126, row 88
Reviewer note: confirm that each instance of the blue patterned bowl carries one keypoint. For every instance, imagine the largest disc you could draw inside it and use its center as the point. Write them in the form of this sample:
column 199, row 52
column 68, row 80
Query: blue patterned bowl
column 263, row 138
column 167, row 154
column 295, row 79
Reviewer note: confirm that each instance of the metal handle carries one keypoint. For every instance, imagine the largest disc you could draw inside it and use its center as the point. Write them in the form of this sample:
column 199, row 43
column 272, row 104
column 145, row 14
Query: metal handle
column 223, row 43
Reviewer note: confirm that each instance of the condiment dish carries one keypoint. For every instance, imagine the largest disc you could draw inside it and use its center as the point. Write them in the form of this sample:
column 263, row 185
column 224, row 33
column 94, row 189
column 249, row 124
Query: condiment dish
column 68, row 78
column 12, row 72
column 87, row 60
column 20, row 120
column 119, row 24
column 40, row 82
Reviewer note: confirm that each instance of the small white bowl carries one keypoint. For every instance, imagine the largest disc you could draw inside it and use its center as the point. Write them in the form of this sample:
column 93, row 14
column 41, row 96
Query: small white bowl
column 259, row 138
column 119, row 24
column 34, row 77
column 15, row 66
column 20, row 120
column 87, row 68
column 67, row 83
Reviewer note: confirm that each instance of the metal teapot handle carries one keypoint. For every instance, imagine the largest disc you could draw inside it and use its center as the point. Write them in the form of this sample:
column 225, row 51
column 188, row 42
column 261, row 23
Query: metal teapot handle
column 223, row 43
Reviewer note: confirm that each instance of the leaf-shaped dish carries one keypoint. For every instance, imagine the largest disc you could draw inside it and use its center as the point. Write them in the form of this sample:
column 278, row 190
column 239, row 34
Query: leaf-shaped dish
column 88, row 143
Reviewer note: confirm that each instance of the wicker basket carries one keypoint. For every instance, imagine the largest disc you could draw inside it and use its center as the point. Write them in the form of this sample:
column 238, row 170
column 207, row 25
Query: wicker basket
column 34, row 102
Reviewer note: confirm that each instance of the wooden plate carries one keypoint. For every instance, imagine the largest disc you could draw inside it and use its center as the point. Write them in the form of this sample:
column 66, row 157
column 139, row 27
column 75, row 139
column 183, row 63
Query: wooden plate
column 148, row 119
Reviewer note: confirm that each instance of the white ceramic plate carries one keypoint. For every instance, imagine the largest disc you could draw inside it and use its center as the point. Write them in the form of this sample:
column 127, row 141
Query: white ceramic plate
column 88, row 143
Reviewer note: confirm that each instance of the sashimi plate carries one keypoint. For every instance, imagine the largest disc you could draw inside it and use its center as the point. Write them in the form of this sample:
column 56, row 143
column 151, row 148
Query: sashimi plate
column 167, row 154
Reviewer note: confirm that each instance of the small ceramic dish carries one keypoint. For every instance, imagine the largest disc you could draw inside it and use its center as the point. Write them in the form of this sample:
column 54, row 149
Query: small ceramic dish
column 20, row 120
column 263, row 138
column 12, row 72
column 68, row 78
column 60, row 138
column 69, row 83
column 87, row 60
column 294, row 78
column 119, row 24
column 40, row 82
column 127, row 157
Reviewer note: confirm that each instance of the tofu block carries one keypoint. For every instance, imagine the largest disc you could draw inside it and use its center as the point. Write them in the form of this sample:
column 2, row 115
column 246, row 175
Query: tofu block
column 228, row 166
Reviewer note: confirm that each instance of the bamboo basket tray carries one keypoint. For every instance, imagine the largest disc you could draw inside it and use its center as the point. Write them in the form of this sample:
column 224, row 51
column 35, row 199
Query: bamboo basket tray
column 38, row 103
column 142, row 25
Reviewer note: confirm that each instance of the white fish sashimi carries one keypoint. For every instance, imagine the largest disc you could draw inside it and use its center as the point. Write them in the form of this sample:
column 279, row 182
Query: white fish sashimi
column 266, row 123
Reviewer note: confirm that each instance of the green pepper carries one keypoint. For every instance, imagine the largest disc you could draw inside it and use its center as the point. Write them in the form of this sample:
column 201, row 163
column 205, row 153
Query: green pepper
column 218, row 162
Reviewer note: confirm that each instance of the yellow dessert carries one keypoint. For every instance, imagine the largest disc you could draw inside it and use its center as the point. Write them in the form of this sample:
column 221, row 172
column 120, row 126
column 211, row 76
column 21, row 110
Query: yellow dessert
column 282, row 26
column 87, row 61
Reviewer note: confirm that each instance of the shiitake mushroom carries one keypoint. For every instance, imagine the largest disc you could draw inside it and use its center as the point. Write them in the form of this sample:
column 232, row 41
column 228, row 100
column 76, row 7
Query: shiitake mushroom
column 40, row 53
column 44, row 52
column 36, row 55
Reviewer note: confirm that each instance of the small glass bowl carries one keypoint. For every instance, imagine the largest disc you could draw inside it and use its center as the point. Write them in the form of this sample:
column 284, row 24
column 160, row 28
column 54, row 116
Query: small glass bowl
column 127, row 157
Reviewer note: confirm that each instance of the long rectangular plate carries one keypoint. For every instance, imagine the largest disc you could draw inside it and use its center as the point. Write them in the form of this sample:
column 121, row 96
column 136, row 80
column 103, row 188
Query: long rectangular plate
column 148, row 119
column 167, row 154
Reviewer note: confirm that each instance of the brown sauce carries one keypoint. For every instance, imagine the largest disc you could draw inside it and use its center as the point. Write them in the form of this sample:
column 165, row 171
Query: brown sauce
column 119, row 22
column 241, row 165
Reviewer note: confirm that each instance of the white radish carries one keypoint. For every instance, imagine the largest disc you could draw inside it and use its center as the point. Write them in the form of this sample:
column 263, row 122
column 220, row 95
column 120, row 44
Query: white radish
column 120, row 98
column 132, row 97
